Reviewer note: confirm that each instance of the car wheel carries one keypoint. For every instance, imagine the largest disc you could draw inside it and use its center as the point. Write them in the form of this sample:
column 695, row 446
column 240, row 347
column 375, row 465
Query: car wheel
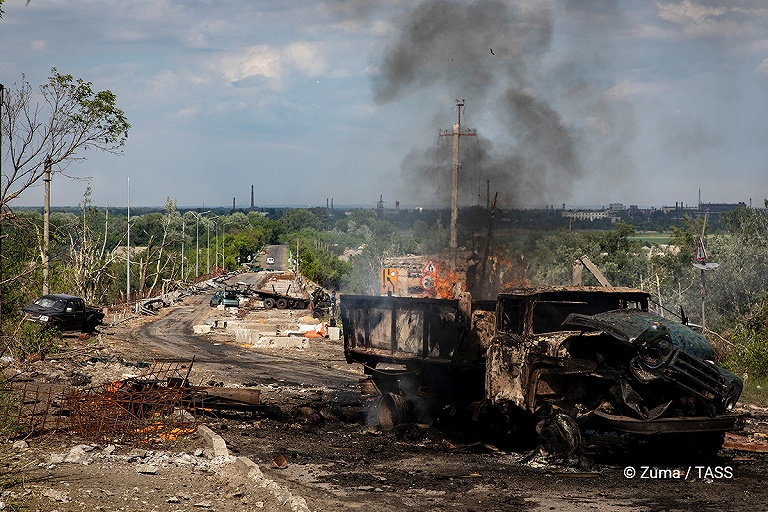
column 281, row 303
column 89, row 325
column 269, row 303
column 561, row 435
column 391, row 410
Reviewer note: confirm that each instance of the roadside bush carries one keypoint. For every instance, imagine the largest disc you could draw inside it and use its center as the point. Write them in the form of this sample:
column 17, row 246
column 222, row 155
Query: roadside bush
column 750, row 353
column 31, row 338
column 749, row 337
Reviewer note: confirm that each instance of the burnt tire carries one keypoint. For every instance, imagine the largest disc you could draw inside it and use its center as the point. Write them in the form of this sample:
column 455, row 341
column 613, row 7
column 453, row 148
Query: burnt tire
column 391, row 410
column 281, row 303
column 561, row 435
column 90, row 324
column 269, row 303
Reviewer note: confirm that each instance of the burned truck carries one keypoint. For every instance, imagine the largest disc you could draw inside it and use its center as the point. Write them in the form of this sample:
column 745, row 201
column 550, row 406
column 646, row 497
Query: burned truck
column 577, row 369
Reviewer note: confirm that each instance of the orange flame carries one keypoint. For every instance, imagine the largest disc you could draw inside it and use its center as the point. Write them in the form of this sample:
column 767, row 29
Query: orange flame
column 444, row 281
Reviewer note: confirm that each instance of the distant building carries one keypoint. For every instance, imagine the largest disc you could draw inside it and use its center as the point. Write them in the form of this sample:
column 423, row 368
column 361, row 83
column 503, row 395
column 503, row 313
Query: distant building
column 590, row 215
column 616, row 207
column 721, row 207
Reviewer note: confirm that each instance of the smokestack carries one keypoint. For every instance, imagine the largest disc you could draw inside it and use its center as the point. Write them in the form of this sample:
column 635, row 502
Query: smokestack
column 331, row 204
column 233, row 204
column 251, row 197
column 326, row 203
column 397, row 206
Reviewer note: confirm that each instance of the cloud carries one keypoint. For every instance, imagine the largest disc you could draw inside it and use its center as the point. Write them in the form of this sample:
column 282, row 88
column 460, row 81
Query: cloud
column 256, row 61
column 762, row 69
column 163, row 83
column 187, row 113
column 626, row 90
column 697, row 19
column 263, row 65
column 304, row 57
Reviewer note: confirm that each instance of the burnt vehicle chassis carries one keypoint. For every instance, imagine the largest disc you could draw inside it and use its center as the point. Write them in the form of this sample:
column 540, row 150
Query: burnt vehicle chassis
column 578, row 369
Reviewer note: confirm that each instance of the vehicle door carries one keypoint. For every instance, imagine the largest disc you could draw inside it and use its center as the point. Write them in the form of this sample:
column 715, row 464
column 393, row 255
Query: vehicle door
column 73, row 315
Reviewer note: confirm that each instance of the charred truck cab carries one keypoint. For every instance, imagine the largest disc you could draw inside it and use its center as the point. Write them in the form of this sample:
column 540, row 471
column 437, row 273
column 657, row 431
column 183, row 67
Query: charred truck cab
column 587, row 369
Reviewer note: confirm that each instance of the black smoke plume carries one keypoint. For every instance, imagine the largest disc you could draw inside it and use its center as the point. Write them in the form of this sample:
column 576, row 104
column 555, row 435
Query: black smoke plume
column 489, row 53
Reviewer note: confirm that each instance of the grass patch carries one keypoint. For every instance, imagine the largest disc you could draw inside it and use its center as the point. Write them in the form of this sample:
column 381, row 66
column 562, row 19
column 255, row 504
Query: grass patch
column 755, row 391
column 652, row 238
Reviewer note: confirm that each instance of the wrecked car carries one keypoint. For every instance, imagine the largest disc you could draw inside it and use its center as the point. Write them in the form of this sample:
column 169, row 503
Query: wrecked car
column 63, row 312
column 229, row 298
column 577, row 369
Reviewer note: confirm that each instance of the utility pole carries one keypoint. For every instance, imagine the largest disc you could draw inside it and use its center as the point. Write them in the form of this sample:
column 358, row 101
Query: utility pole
column 47, row 226
column 182, row 246
column 700, row 262
column 128, row 251
column 456, row 134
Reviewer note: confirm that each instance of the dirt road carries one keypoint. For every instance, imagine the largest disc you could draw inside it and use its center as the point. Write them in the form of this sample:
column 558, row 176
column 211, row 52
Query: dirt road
column 334, row 460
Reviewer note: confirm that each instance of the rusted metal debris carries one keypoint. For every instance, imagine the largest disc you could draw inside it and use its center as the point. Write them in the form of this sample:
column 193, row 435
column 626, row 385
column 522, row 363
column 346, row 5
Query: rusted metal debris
column 158, row 404
column 755, row 443
column 30, row 407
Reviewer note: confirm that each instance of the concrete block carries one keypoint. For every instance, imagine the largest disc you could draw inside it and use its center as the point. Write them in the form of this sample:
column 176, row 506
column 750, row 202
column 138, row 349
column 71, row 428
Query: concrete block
column 249, row 467
column 281, row 342
column 334, row 333
column 215, row 441
column 201, row 329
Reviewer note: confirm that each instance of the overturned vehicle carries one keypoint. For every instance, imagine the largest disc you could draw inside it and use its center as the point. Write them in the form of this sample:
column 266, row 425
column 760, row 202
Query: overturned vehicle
column 577, row 369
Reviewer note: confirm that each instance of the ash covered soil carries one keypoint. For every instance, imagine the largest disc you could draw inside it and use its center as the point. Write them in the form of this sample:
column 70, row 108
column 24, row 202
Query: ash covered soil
column 314, row 448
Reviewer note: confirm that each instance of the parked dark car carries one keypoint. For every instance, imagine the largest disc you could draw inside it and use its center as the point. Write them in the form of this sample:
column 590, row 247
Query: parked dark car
column 63, row 312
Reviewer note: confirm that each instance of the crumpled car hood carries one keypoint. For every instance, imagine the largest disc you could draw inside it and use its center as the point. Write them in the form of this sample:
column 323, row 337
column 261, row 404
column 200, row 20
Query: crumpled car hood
column 669, row 350
column 629, row 325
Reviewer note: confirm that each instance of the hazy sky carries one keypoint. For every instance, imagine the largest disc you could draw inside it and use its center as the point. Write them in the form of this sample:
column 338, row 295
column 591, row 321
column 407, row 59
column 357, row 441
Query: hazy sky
column 583, row 102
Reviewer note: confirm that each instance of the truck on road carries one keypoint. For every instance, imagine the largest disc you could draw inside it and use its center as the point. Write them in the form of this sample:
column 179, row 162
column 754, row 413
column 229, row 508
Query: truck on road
column 577, row 369
column 63, row 312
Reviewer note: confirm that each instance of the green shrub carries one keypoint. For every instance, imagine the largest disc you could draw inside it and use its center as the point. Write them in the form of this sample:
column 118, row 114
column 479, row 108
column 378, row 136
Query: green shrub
column 32, row 338
column 749, row 353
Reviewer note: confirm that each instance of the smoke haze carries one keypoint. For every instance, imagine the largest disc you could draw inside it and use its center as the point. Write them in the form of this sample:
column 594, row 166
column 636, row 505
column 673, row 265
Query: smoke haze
column 489, row 53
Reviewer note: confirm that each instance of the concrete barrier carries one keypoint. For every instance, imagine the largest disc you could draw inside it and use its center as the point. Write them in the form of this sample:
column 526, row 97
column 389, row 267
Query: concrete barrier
column 334, row 333
column 259, row 339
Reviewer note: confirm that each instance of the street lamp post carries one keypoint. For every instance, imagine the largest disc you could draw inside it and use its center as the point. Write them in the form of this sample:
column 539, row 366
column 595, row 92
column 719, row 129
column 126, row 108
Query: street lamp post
column 182, row 247
column 197, row 247
column 216, row 226
column 198, row 216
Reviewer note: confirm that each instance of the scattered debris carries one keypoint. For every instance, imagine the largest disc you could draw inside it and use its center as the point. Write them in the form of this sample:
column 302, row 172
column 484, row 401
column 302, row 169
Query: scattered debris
column 158, row 404
column 279, row 462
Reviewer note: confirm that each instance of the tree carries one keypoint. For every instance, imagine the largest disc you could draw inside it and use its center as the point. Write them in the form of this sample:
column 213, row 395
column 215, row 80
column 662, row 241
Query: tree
column 297, row 219
column 71, row 118
column 90, row 260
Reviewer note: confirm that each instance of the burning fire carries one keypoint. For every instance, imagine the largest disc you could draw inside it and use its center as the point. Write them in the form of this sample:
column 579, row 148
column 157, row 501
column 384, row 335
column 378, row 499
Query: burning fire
column 163, row 431
column 443, row 280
